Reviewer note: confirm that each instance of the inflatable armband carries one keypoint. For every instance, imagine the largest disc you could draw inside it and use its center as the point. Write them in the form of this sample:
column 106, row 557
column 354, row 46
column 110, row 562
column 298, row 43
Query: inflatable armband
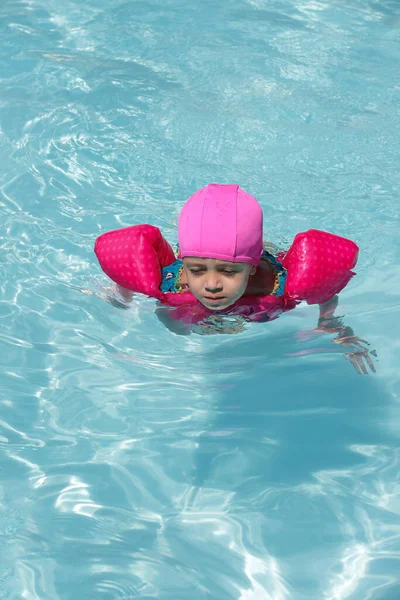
column 318, row 265
column 134, row 256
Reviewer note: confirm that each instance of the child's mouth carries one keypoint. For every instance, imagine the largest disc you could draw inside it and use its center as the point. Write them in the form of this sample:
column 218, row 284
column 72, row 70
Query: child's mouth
column 214, row 300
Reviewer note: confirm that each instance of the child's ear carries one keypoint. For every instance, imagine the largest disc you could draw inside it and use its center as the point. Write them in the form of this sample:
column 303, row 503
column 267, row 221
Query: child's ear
column 253, row 270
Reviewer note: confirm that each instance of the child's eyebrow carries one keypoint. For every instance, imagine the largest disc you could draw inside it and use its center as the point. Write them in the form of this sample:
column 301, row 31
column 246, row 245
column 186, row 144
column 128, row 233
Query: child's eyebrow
column 220, row 266
column 226, row 268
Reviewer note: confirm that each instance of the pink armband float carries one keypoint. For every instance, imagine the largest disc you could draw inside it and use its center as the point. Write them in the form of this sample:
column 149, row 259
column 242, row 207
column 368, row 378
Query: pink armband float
column 318, row 266
column 134, row 256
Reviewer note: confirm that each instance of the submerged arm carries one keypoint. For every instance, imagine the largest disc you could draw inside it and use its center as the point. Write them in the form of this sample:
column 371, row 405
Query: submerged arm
column 126, row 294
column 359, row 354
column 177, row 327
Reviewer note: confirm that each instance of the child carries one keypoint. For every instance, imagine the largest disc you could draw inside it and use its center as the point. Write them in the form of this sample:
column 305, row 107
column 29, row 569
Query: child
column 223, row 276
column 220, row 233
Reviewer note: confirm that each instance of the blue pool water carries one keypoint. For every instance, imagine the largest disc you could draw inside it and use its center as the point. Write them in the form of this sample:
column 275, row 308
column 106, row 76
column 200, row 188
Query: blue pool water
column 136, row 463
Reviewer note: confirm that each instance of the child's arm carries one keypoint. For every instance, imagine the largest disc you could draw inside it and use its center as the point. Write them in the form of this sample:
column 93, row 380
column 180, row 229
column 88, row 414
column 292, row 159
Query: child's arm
column 126, row 294
column 177, row 327
column 327, row 319
column 359, row 356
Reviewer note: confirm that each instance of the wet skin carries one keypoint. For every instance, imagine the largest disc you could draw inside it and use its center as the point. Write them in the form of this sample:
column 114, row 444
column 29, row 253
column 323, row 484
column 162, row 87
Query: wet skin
column 218, row 284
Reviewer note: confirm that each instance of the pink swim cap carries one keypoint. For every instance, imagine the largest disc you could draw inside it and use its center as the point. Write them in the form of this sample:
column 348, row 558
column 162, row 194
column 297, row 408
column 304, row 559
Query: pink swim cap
column 224, row 222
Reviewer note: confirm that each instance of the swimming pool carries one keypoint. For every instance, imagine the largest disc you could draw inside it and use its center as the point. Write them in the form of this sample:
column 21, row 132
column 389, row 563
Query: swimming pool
column 140, row 464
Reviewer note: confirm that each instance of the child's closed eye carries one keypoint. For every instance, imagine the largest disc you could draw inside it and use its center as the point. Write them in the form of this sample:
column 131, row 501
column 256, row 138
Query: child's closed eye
column 197, row 271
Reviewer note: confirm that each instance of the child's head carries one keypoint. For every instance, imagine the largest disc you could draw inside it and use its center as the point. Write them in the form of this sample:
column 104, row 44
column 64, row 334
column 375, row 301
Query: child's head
column 220, row 240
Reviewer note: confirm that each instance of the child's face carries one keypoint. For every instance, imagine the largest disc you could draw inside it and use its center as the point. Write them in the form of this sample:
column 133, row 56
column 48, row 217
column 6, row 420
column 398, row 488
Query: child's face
column 217, row 284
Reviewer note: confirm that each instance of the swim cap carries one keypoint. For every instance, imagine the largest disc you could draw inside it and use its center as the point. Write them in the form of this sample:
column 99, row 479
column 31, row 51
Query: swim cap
column 221, row 221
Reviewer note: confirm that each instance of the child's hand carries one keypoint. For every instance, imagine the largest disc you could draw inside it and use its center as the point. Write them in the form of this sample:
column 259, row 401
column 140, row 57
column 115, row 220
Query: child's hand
column 361, row 360
column 360, row 356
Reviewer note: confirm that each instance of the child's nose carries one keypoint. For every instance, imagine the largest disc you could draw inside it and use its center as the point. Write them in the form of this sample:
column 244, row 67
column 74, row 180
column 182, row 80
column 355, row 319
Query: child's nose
column 213, row 283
